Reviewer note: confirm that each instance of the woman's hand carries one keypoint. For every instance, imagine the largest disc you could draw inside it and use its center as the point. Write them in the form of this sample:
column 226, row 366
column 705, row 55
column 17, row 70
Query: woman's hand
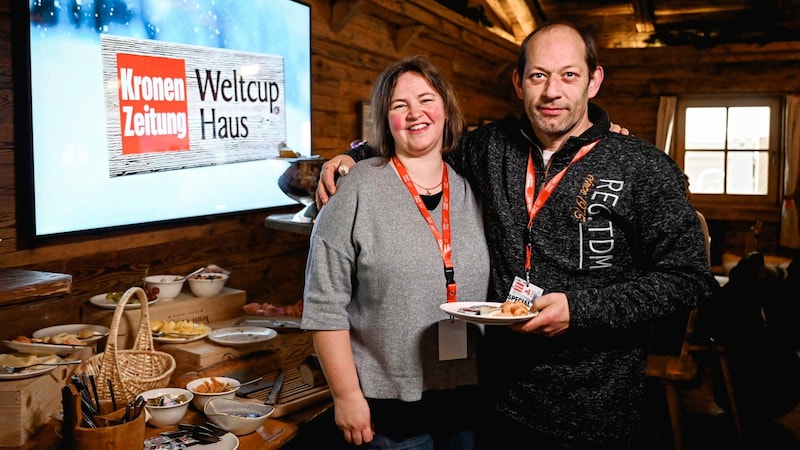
column 352, row 416
column 619, row 129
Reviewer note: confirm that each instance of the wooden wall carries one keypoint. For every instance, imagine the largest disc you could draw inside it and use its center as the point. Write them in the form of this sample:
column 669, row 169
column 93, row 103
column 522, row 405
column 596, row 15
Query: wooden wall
column 351, row 43
column 636, row 78
column 352, row 40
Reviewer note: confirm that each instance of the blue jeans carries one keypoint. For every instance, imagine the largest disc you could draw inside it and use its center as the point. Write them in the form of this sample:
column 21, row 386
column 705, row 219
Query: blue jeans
column 464, row 440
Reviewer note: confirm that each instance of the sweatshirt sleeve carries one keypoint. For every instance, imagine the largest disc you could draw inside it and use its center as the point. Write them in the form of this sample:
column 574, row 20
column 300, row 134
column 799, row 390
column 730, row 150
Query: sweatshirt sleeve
column 331, row 264
column 361, row 151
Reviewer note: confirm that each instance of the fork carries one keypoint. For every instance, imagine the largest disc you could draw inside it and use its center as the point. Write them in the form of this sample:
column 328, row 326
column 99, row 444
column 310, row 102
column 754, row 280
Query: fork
column 11, row 369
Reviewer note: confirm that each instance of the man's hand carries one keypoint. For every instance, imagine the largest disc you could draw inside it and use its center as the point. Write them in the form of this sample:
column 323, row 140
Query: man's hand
column 326, row 187
column 553, row 317
column 619, row 129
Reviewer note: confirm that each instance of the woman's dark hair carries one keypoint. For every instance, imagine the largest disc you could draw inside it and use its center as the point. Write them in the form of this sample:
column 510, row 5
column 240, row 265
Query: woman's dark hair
column 382, row 140
column 588, row 42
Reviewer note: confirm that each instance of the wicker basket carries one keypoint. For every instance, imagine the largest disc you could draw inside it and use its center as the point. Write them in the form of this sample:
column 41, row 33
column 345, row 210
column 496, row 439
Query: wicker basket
column 132, row 371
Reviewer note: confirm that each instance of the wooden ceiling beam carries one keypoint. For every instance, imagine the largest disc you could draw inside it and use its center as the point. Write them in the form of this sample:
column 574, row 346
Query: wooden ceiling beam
column 342, row 11
column 539, row 17
column 516, row 16
column 665, row 11
column 645, row 20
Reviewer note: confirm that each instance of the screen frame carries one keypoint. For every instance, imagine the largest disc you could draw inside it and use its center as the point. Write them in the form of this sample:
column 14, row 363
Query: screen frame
column 24, row 150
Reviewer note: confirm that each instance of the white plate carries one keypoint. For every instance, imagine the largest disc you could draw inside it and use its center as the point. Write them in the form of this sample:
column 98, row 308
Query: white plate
column 42, row 349
column 101, row 301
column 182, row 340
column 177, row 340
column 276, row 322
column 27, row 373
column 453, row 309
column 236, row 336
column 229, row 441
column 73, row 328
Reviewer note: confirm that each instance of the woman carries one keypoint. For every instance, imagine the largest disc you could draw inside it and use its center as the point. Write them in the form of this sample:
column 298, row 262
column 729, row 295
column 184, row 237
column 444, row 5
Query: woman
column 383, row 258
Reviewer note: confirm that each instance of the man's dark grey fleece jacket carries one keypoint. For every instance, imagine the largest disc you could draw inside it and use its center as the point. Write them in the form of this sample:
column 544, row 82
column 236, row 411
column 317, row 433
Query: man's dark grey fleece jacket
column 618, row 236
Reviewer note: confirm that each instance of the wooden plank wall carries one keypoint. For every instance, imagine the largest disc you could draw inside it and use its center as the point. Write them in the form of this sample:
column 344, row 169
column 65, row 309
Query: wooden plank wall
column 636, row 78
column 352, row 40
column 351, row 43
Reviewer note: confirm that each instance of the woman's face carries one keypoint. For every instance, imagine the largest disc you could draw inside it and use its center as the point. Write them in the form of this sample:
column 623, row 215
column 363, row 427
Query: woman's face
column 416, row 116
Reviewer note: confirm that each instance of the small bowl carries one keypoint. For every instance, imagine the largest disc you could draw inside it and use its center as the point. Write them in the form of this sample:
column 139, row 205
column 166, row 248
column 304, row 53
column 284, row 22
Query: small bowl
column 207, row 284
column 170, row 413
column 169, row 286
column 201, row 398
column 237, row 416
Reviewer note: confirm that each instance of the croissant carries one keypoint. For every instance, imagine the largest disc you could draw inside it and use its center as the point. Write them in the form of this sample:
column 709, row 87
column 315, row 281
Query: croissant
column 514, row 309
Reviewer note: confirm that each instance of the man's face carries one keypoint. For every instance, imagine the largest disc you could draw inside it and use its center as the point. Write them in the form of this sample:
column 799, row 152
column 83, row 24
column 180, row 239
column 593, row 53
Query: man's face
column 557, row 85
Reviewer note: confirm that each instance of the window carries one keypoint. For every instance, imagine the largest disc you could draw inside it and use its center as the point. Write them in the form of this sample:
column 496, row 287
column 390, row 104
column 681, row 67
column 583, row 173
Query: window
column 730, row 150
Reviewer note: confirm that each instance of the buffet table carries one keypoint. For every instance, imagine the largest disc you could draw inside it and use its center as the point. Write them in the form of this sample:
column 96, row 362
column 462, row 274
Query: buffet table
column 286, row 351
column 272, row 435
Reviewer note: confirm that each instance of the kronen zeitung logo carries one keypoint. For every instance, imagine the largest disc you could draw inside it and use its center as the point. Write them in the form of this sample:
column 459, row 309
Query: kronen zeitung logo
column 178, row 106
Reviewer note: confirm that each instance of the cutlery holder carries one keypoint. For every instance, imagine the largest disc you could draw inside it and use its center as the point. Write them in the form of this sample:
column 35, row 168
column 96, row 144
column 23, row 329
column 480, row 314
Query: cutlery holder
column 125, row 436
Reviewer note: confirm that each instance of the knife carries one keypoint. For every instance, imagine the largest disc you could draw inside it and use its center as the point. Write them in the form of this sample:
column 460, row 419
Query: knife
column 276, row 389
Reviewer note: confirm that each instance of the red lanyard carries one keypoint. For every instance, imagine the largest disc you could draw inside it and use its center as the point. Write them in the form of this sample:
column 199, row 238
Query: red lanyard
column 535, row 205
column 444, row 241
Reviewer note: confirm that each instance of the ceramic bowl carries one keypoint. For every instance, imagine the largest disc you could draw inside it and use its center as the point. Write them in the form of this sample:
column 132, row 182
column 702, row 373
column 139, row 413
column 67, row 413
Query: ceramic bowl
column 169, row 286
column 166, row 406
column 199, row 388
column 238, row 417
column 207, row 284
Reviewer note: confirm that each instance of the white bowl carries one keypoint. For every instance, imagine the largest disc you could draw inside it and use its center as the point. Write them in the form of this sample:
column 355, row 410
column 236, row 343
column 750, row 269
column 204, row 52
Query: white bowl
column 169, row 286
column 169, row 414
column 201, row 398
column 238, row 417
column 207, row 284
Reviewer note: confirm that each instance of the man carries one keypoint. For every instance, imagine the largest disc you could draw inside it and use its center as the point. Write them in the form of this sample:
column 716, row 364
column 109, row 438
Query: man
column 600, row 224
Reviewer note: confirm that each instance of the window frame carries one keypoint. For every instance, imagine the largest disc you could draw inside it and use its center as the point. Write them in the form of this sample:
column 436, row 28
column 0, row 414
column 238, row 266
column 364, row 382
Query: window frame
column 737, row 206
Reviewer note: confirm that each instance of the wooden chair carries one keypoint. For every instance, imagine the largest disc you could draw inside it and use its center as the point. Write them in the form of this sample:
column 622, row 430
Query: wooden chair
column 718, row 351
column 674, row 369
column 671, row 370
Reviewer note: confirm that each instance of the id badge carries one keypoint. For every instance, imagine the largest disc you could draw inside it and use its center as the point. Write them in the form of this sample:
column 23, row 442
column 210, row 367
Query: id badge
column 522, row 291
column 452, row 339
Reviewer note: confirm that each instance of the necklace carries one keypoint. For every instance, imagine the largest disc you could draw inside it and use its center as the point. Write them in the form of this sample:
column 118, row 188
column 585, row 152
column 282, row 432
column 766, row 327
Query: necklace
column 427, row 189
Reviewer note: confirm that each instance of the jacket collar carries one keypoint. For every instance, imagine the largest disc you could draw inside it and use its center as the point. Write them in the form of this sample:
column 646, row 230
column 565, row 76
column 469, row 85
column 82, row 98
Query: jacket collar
column 600, row 127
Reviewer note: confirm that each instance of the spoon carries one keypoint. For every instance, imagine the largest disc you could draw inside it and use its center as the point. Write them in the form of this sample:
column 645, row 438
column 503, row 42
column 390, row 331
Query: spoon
column 191, row 274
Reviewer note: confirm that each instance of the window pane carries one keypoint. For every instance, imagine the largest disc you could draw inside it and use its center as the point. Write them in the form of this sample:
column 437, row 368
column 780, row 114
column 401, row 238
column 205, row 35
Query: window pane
column 748, row 127
column 748, row 173
column 705, row 128
column 706, row 172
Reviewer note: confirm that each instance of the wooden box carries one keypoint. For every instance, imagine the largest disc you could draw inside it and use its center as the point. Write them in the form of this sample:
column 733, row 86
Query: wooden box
column 27, row 404
column 289, row 348
column 228, row 304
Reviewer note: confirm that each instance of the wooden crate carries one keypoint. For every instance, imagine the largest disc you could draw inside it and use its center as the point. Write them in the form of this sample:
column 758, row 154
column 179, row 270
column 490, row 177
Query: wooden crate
column 289, row 348
column 227, row 305
column 28, row 403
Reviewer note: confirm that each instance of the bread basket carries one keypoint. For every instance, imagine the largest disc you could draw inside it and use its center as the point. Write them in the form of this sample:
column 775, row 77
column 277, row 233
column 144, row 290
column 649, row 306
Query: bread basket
column 125, row 373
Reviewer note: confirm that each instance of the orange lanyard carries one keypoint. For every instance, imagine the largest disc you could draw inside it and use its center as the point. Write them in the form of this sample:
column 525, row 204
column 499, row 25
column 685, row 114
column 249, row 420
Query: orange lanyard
column 535, row 205
column 443, row 239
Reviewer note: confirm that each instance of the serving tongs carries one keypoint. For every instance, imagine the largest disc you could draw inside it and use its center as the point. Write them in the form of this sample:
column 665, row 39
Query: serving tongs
column 13, row 369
